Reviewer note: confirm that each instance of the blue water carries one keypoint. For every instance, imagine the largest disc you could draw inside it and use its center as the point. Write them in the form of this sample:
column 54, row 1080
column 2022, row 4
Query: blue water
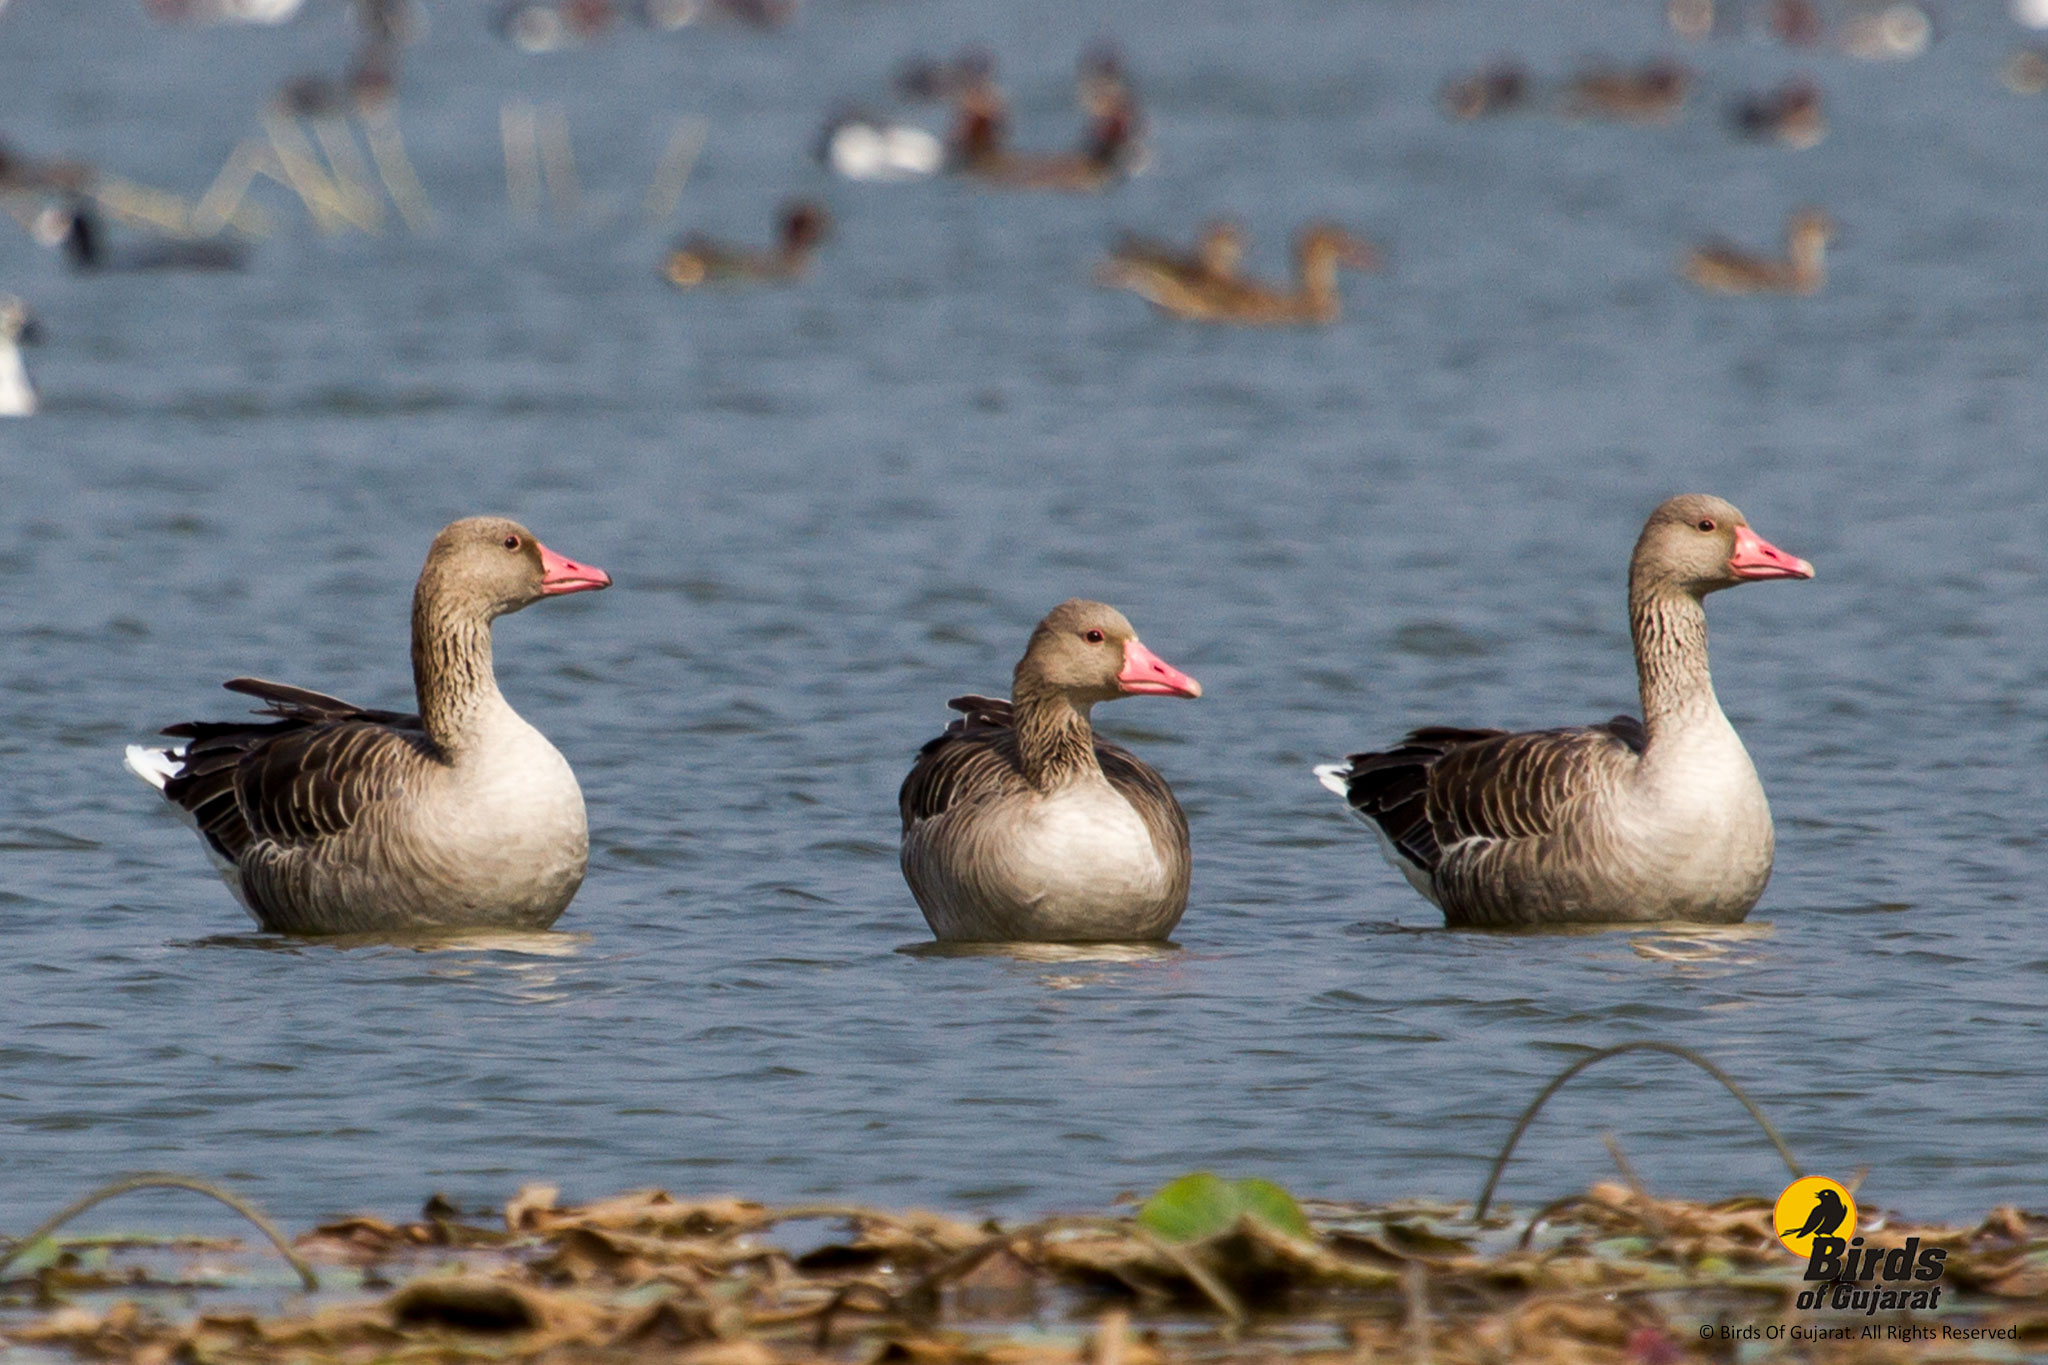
column 829, row 508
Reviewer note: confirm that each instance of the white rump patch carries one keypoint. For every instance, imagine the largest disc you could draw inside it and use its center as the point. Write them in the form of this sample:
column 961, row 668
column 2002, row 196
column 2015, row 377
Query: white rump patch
column 154, row 766
column 1336, row 776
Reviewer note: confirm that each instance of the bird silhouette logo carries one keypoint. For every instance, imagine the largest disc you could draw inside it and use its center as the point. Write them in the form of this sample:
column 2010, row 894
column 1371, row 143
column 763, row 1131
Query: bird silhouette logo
column 1813, row 1206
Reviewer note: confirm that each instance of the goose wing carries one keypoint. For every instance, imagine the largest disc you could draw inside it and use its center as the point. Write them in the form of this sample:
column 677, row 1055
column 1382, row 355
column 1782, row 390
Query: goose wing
column 307, row 775
column 1443, row 786
column 976, row 754
column 1154, row 801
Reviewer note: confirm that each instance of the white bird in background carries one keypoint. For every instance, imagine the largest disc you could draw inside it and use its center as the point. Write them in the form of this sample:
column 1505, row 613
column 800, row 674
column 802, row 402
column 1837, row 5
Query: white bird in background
column 17, row 327
column 862, row 148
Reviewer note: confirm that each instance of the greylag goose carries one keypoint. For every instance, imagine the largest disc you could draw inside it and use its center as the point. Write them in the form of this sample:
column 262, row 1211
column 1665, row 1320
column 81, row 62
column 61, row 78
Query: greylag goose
column 1628, row 821
column 1020, row 824
column 700, row 260
column 1649, row 94
column 1135, row 262
column 1723, row 269
column 1319, row 249
column 333, row 819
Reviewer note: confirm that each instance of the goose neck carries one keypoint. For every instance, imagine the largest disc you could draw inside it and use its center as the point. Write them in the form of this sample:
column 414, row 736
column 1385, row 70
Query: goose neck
column 452, row 673
column 1055, row 742
column 1670, row 630
column 1317, row 277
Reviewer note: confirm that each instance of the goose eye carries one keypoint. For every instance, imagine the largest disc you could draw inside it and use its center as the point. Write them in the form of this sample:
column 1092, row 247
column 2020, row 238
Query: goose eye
column 1706, row 523
column 1093, row 637
column 511, row 542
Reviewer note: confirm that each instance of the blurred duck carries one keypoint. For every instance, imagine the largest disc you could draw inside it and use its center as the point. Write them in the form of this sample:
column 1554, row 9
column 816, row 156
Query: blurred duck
column 699, row 260
column 17, row 329
column 1215, row 259
column 534, row 26
column 669, row 15
column 1319, row 250
column 1790, row 114
column 981, row 120
column 1797, row 23
column 860, row 147
column 1109, row 148
column 1895, row 33
column 75, row 229
column 1499, row 89
column 371, row 83
column 1651, row 93
column 2026, row 71
column 1724, row 269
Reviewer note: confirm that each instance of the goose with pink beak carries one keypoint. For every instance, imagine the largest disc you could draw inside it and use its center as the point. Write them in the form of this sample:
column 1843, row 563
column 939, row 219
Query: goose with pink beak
column 330, row 818
column 1020, row 824
column 1629, row 821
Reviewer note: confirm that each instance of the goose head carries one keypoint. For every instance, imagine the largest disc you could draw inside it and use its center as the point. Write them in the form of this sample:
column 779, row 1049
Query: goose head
column 1321, row 243
column 804, row 225
column 1697, row 544
column 1088, row 652
column 1809, row 230
column 487, row 567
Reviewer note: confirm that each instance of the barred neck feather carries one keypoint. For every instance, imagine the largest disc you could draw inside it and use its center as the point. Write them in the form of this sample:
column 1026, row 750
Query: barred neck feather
column 1670, row 630
column 1055, row 742
column 451, row 670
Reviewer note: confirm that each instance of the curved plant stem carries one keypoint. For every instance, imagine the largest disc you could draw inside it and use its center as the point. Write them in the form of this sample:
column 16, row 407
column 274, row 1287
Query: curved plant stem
column 1557, row 1083
column 165, row 1180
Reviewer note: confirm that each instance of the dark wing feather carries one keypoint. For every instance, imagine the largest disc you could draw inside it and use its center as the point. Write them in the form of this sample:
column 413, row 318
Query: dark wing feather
column 978, row 753
column 1392, row 788
column 307, row 775
column 1519, row 786
column 1442, row 785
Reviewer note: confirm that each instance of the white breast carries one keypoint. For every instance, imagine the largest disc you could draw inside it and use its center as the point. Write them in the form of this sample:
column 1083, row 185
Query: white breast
column 1079, row 851
column 1700, row 818
column 512, row 820
column 17, row 395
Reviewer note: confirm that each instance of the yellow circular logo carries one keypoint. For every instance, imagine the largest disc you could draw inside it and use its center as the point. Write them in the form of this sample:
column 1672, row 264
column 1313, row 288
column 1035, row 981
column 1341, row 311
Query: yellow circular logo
column 1813, row 1206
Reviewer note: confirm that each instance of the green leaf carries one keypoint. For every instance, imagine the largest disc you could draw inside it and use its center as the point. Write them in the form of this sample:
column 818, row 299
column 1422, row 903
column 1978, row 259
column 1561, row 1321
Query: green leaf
column 1202, row 1205
column 37, row 1255
column 1274, row 1207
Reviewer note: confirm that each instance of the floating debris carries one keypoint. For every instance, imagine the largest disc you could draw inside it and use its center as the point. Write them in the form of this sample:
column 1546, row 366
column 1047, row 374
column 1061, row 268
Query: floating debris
column 1210, row 1270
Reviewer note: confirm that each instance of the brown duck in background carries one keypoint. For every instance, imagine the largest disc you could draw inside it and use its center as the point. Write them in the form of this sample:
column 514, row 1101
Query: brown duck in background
column 1723, row 269
column 1134, row 260
column 1499, row 89
column 1320, row 249
column 1651, row 93
column 700, row 260
column 981, row 148
column 1790, row 114
column 1021, row 824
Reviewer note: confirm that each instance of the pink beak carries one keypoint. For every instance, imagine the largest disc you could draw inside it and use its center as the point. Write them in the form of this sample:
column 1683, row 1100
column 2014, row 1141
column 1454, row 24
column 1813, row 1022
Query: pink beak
column 559, row 575
column 1756, row 557
column 1146, row 674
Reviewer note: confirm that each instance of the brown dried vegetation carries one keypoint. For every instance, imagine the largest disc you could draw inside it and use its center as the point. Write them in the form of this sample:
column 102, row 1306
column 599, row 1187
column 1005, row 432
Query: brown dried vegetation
column 1611, row 1275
